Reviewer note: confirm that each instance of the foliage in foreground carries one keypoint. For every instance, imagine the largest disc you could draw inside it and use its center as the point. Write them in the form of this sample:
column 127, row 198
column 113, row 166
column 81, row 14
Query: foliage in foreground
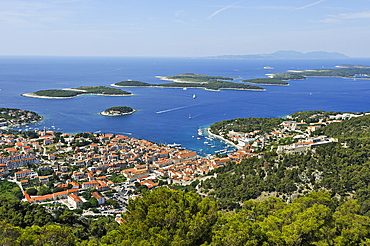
column 166, row 217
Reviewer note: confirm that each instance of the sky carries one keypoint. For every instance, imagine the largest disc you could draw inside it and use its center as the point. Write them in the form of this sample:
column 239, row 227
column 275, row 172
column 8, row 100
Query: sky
column 186, row 28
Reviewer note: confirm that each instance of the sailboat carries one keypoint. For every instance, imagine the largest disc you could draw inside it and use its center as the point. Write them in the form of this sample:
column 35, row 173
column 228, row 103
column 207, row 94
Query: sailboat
column 189, row 117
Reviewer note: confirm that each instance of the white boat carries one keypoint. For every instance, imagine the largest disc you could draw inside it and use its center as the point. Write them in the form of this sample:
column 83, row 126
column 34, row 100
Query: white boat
column 205, row 142
column 174, row 145
column 189, row 117
column 194, row 96
column 184, row 88
column 200, row 132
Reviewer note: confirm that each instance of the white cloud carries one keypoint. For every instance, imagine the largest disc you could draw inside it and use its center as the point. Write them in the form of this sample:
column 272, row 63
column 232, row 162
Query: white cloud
column 347, row 16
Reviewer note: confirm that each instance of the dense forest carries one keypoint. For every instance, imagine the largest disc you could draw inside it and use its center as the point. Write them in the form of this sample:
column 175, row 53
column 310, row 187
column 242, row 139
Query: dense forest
column 268, row 81
column 129, row 83
column 82, row 90
column 209, row 85
column 245, row 125
column 164, row 217
column 121, row 109
column 346, row 71
column 193, row 77
column 57, row 93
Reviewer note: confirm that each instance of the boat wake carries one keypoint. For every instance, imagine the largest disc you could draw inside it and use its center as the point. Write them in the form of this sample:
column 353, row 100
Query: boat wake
column 169, row 110
column 125, row 133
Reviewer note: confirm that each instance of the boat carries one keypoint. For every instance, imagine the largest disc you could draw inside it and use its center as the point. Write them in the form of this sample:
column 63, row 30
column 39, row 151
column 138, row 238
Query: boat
column 198, row 138
column 205, row 142
column 200, row 132
column 174, row 145
column 194, row 96
column 184, row 88
column 189, row 117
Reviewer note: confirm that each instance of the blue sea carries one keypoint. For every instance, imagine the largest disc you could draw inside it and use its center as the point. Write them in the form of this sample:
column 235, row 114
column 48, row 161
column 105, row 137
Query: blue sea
column 164, row 114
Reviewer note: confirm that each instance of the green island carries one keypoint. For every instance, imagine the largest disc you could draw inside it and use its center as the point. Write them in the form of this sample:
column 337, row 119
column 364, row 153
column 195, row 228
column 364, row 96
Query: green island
column 190, row 80
column 118, row 111
column 195, row 78
column 343, row 71
column 267, row 81
column 73, row 92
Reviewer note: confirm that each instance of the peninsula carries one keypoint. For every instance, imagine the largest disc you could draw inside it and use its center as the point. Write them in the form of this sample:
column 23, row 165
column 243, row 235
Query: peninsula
column 118, row 111
column 343, row 71
column 191, row 80
column 13, row 117
column 74, row 92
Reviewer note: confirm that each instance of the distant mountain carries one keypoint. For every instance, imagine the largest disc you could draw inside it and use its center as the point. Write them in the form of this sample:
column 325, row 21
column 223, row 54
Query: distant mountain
column 286, row 54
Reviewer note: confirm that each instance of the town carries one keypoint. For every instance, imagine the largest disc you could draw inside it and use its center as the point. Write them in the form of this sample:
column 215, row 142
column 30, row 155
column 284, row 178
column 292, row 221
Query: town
column 97, row 174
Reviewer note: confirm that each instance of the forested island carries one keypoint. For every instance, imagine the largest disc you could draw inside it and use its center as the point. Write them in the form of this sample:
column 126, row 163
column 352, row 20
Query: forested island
column 190, row 80
column 195, row 78
column 74, row 92
column 267, row 81
column 118, row 111
column 343, row 71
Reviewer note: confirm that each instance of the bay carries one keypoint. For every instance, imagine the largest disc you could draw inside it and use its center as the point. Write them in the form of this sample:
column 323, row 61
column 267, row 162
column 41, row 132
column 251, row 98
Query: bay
column 163, row 113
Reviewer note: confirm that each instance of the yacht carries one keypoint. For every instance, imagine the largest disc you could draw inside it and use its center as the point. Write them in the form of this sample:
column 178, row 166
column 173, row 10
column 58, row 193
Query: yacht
column 200, row 132
column 174, row 145
column 194, row 96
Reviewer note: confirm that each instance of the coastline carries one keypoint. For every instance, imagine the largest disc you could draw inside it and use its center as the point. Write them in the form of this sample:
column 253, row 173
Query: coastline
column 189, row 87
column 223, row 139
column 267, row 84
column 107, row 114
column 9, row 126
column 178, row 81
column 33, row 95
